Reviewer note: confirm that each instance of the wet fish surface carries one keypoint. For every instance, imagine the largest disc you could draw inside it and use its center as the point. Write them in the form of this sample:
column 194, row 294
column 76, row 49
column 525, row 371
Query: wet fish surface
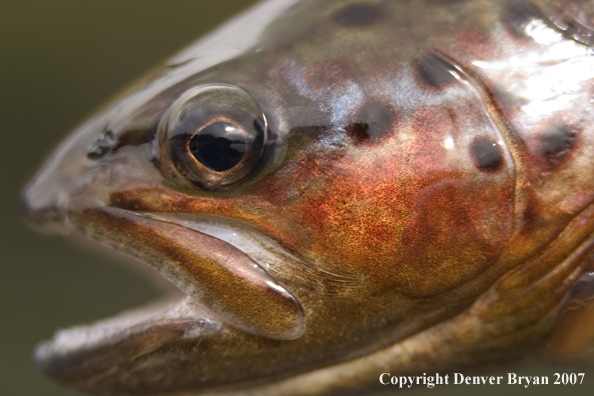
column 340, row 189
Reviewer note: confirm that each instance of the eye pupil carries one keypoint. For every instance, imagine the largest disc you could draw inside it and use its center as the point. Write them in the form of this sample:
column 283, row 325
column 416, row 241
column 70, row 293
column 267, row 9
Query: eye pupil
column 213, row 137
column 219, row 146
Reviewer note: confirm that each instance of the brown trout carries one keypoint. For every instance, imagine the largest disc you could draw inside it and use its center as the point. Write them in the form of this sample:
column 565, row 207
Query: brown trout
column 340, row 189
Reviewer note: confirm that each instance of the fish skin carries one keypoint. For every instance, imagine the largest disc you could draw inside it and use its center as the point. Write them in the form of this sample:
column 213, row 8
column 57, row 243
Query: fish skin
column 421, row 200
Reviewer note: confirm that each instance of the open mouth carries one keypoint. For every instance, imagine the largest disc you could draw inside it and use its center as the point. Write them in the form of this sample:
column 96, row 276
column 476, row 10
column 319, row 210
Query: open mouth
column 230, row 273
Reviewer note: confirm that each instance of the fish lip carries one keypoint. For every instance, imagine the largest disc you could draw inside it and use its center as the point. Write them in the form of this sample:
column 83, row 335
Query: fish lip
column 243, row 236
column 240, row 235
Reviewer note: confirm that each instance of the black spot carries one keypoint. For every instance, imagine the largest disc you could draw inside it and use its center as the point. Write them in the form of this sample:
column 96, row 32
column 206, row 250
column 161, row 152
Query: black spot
column 374, row 121
column 518, row 14
column 557, row 142
column 359, row 132
column 506, row 98
column 436, row 71
column 486, row 154
column 358, row 15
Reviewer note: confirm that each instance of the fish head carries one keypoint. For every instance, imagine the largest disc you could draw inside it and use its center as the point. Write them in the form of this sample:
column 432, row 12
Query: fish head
column 315, row 196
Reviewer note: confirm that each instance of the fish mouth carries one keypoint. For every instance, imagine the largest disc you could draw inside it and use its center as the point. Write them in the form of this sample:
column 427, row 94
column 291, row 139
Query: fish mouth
column 232, row 276
column 224, row 265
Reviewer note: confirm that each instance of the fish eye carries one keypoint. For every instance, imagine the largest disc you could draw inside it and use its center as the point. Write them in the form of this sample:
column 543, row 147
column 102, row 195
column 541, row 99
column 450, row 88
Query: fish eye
column 212, row 137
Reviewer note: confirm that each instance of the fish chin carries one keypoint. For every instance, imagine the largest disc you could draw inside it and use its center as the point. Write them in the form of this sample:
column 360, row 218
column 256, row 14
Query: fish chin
column 88, row 354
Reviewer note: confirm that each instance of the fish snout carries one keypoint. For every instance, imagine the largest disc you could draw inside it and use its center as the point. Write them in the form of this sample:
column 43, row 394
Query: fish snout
column 38, row 207
column 66, row 182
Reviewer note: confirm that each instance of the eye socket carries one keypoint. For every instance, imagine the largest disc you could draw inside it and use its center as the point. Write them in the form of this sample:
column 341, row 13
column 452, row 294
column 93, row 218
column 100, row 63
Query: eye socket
column 211, row 137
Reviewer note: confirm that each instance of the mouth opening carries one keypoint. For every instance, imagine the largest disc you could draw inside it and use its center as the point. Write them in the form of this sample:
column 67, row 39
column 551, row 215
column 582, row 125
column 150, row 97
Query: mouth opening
column 226, row 271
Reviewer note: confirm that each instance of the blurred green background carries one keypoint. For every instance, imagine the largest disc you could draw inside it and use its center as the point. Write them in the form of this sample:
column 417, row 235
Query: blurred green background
column 59, row 60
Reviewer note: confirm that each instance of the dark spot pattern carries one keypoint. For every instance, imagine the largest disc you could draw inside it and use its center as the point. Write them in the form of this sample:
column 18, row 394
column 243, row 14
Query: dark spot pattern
column 557, row 142
column 374, row 121
column 486, row 154
column 358, row 15
column 359, row 132
column 518, row 14
column 436, row 71
column 507, row 98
